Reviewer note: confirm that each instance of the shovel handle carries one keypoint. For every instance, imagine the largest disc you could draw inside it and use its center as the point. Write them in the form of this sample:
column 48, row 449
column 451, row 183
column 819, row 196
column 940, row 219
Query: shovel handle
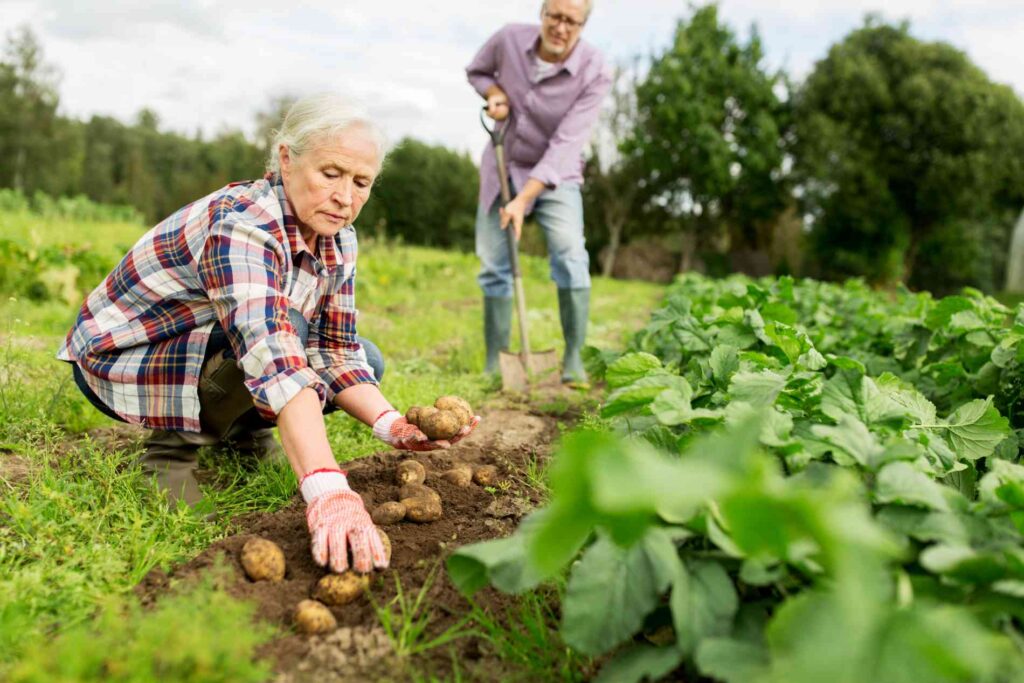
column 497, row 133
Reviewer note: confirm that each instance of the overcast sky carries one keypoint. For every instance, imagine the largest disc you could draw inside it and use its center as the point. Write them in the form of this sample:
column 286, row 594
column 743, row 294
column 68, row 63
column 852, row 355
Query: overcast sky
column 208, row 65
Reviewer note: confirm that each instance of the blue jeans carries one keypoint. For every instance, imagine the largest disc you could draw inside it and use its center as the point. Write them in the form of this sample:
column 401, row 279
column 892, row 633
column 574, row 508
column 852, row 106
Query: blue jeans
column 219, row 341
column 560, row 214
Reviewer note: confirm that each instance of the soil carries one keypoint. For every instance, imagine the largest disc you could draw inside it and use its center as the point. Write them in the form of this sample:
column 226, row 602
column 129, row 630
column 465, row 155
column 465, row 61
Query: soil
column 514, row 440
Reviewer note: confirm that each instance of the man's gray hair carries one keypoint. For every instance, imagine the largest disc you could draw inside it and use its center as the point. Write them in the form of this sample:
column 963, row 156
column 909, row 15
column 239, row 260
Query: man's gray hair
column 588, row 5
column 314, row 118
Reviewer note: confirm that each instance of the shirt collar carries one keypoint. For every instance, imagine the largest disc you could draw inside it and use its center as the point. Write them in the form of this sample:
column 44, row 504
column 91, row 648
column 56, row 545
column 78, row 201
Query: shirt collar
column 326, row 246
column 570, row 63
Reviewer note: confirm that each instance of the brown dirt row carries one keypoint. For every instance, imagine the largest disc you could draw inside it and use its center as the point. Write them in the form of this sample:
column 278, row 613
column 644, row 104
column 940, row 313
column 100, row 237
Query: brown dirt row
column 513, row 440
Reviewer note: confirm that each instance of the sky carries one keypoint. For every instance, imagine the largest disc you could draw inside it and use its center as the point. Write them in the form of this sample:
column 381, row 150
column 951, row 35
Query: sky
column 211, row 66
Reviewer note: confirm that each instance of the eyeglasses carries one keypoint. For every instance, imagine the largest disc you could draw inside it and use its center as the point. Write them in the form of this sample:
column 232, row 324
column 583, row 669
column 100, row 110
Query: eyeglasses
column 557, row 19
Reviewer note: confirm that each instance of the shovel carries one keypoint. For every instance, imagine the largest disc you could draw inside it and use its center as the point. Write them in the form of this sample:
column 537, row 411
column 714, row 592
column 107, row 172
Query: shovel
column 519, row 371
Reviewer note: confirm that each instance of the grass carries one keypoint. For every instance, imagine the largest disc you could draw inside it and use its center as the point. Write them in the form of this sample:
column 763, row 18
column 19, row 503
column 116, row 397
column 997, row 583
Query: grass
column 80, row 526
column 406, row 619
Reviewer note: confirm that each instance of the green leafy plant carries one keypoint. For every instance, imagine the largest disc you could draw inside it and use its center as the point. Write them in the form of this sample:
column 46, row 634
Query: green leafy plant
column 799, row 482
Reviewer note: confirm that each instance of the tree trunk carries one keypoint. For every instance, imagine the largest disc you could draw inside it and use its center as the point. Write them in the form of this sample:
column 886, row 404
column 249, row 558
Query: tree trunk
column 1015, row 264
column 614, row 238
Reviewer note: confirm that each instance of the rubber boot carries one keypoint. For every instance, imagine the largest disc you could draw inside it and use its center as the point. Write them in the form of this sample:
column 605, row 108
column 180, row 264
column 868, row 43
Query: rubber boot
column 497, row 328
column 171, row 458
column 573, row 309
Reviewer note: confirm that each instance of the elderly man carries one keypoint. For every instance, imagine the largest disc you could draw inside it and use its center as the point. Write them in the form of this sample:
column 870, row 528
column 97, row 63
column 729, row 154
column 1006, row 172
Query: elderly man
column 553, row 82
column 237, row 313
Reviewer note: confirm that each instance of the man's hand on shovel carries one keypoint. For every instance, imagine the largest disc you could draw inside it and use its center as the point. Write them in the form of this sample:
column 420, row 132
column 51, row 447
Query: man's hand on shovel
column 515, row 213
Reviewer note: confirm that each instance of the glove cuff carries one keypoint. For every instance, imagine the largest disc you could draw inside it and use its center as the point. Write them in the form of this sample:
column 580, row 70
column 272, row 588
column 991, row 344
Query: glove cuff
column 382, row 425
column 319, row 482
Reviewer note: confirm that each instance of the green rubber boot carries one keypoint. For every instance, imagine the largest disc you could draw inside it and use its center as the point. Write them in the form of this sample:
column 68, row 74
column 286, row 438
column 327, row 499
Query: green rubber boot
column 573, row 309
column 497, row 328
column 171, row 458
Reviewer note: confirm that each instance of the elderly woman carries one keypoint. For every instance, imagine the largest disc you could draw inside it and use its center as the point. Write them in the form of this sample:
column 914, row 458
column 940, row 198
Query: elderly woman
column 237, row 313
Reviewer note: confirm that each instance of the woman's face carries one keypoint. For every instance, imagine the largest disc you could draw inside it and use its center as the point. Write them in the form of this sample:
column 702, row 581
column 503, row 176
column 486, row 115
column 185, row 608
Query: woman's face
column 328, row 185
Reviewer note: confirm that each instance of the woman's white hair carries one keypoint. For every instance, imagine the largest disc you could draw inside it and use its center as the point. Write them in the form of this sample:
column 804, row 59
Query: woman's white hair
column 315, row 118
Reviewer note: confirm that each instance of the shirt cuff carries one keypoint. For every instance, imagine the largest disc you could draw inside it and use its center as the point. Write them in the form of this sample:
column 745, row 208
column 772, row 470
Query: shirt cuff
column 272, row 394
column 546, row 173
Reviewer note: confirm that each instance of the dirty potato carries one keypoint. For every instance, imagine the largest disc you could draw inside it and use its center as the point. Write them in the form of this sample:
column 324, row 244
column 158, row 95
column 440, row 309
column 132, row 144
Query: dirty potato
column 423, row 413
column 422, row 509
column 460, row 475
column 418, row 491
column 457, row 405
column 486, row 475
column 388, row 513
column 340, row 589
column 413, row 415
column 313, row 617
column 443, row 424
column 387, row 543
column 262, row 560
column 410, row 472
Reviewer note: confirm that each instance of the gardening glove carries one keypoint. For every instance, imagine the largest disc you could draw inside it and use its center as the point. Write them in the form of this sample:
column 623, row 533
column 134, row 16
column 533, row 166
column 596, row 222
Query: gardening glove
column 338, row 523
column 392, row 428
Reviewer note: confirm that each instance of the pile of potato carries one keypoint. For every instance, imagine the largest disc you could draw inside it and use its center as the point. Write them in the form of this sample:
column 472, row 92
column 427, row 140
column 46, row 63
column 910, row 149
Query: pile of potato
column 263, row 560
column 417, row 502
column 444, row 420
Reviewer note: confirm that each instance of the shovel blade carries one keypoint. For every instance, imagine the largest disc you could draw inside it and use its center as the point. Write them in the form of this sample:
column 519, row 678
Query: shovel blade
column 540, row 368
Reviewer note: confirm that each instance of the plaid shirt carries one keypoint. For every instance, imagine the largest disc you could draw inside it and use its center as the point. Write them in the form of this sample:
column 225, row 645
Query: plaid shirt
column 234, row 257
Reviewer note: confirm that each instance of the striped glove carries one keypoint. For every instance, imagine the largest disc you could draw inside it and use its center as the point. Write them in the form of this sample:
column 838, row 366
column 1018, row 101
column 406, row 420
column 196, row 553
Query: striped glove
column 338, row 523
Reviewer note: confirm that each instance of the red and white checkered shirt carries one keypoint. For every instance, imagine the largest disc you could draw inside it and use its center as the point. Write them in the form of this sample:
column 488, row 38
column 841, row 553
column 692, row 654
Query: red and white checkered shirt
column 235, row 257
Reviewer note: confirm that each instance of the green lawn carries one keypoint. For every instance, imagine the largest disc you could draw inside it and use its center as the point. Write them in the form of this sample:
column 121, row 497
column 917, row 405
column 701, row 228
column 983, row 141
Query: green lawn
column 79, row 526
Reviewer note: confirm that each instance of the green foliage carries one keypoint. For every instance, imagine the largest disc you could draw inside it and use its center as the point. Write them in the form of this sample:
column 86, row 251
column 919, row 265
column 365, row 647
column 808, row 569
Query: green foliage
column 426, row 194
column 907, row 151
column 808, row 482
column 710, row 128
column 198, row 635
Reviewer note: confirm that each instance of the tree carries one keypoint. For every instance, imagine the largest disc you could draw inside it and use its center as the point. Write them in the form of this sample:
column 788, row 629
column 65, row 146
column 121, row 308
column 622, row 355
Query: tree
column 32, row 138
column 904, row 150
column 711, row 130
column 614, row 183
column 425, row 194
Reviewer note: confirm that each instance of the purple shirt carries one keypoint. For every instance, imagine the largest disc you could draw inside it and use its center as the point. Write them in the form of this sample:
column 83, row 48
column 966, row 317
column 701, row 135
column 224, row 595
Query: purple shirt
column 553, row 118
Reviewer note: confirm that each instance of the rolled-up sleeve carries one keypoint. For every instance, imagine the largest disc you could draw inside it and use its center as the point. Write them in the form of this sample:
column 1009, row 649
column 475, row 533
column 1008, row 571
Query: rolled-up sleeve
column 565, row 148
column 482, row 71
column 333, row 351
column 242, row 270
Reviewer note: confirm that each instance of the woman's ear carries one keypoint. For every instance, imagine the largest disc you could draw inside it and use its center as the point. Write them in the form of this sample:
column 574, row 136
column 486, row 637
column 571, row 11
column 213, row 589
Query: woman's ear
column 284, row 158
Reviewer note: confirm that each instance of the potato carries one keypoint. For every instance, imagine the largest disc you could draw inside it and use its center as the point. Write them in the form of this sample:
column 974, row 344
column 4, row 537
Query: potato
column 422, row 509
column 410, row 472
column 444, row 424
column 413, row 415
column 486, row 475
column 340, row 589
column 312, row 617
column 387, row 543
column 418, row 491
column 460, row 475
column 457, row 405
column 262, row 560
column 388, row 513
column 423, row 413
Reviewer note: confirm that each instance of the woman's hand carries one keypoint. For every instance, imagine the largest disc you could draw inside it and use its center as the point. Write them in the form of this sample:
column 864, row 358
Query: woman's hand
column 393, row 429
column 339, row 523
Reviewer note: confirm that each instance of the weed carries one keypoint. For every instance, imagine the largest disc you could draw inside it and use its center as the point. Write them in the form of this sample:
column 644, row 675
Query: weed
column 406, row 619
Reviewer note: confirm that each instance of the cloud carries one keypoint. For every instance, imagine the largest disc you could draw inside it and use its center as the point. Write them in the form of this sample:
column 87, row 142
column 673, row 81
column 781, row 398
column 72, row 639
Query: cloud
column 210, row 66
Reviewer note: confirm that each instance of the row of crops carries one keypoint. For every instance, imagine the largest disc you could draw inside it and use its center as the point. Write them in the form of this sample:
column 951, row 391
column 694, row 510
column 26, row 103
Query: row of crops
column 791, row 482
